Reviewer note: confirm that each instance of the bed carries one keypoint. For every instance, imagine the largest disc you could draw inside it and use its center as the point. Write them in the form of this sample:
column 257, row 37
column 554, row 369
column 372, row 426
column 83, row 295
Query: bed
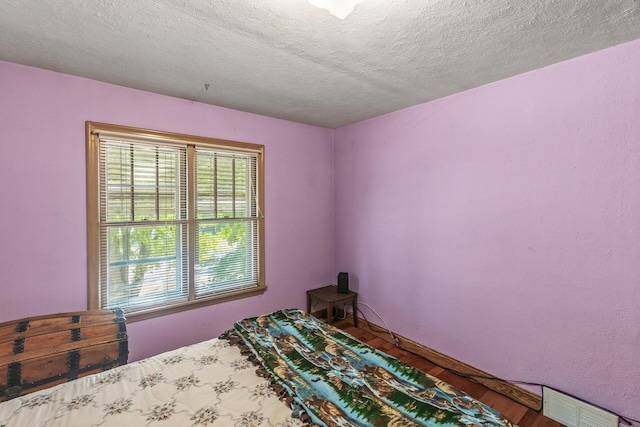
column 284, row 368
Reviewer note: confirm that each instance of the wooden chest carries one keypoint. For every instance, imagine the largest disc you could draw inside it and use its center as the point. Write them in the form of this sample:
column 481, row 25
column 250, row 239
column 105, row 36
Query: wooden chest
column 39, row 352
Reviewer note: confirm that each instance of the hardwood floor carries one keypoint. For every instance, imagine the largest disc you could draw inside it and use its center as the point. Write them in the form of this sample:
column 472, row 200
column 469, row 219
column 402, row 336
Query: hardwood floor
column 515, row 412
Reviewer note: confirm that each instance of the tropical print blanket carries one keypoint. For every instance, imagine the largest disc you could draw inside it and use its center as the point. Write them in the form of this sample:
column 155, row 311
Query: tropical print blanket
column 337, row 380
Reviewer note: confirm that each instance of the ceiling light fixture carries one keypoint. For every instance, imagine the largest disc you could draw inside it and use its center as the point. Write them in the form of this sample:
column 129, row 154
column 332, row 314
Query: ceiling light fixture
column 338, row 8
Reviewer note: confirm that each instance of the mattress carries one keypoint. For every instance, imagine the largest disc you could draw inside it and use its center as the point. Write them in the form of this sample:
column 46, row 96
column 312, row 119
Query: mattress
column 206, row 384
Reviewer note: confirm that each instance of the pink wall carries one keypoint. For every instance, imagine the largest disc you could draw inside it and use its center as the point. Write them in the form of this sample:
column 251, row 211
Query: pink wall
column 501, row 225
column 43, row 214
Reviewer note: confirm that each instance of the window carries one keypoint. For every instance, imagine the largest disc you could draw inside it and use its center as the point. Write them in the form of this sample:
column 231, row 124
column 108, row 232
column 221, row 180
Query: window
column 174, row 221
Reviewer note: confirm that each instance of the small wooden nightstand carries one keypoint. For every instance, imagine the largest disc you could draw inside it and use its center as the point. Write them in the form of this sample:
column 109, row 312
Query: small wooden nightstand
column 330, row 296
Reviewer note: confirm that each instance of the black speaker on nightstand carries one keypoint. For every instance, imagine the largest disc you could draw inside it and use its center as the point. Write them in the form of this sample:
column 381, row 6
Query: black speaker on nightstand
column 343, row 283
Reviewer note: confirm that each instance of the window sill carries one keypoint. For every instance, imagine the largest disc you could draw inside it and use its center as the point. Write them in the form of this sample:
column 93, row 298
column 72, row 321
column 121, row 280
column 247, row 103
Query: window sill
column 190, row 305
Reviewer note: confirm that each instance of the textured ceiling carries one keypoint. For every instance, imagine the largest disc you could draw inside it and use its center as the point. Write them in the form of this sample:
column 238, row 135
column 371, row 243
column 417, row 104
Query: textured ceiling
column 288, row 59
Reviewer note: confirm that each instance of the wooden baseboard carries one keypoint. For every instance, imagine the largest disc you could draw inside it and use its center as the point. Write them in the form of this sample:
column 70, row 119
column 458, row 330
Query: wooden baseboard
column 518, row 394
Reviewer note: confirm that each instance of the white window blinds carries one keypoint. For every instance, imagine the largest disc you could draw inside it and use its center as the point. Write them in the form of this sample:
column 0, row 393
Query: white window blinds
column 226, row 220
column 177, row 221
column 143, row 224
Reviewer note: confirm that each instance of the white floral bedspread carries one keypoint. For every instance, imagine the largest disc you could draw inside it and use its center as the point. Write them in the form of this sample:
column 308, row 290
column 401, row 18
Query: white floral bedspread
column 206, row 384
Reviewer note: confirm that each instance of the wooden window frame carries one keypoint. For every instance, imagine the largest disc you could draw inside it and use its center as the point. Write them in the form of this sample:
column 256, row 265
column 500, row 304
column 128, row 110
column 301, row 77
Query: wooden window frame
column 93, row 224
